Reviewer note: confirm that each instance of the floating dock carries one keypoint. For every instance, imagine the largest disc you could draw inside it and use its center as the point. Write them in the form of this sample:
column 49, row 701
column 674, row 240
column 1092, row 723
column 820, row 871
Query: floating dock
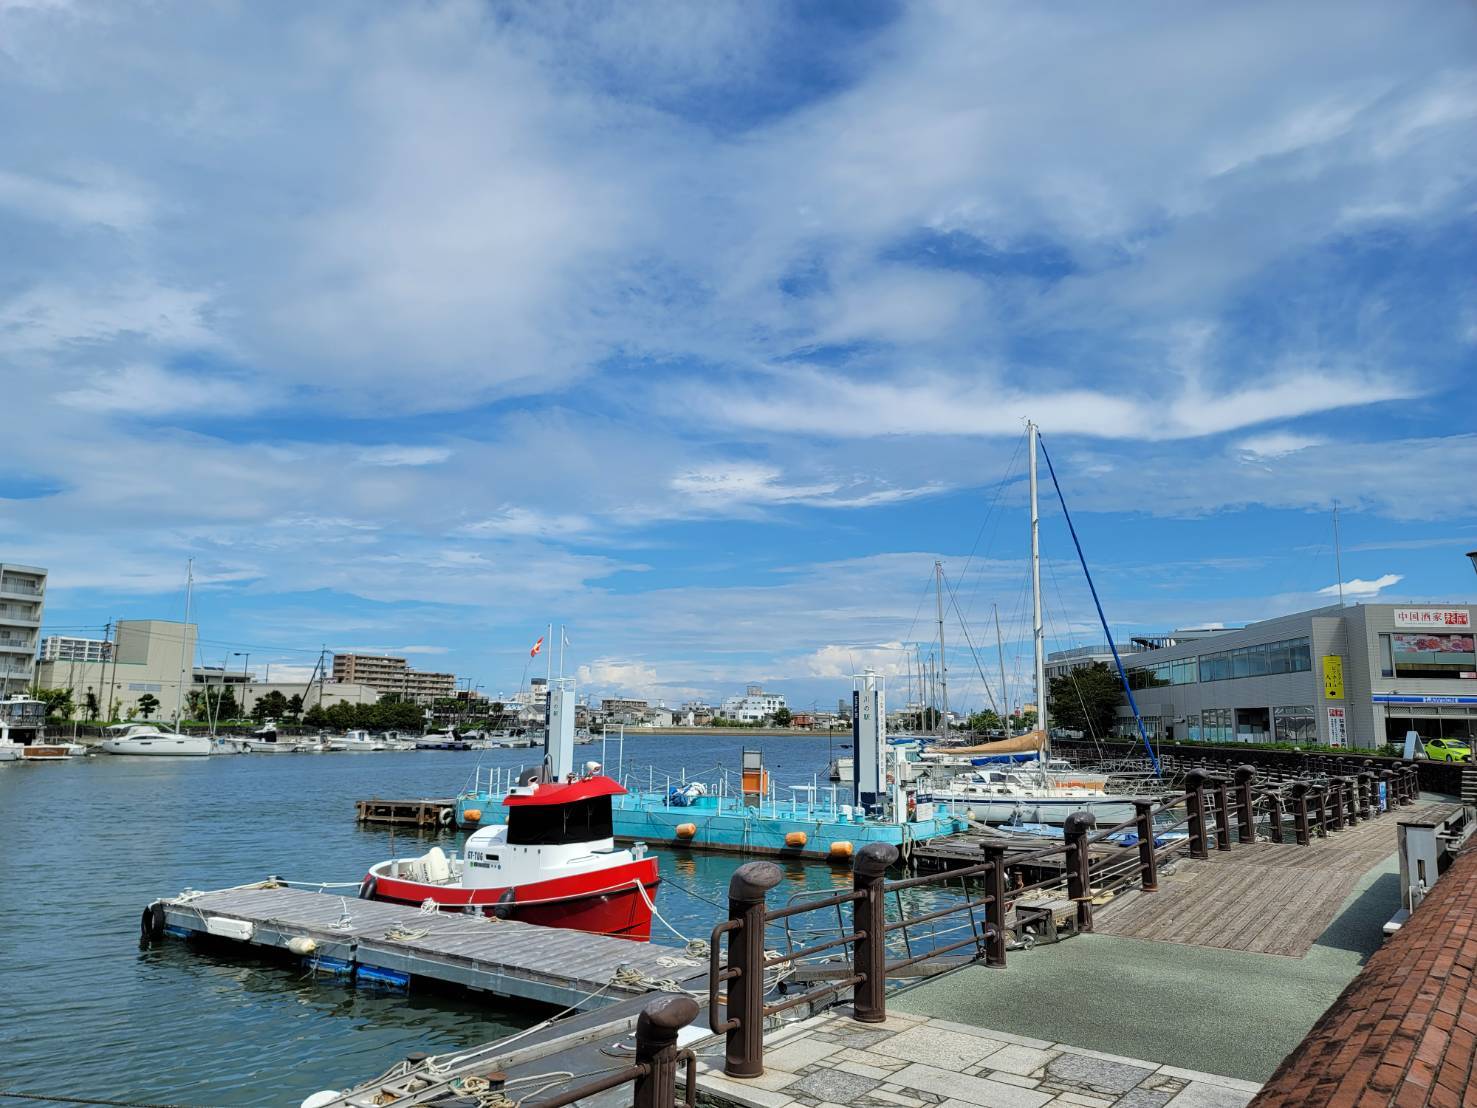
column 392, row 945
column 415, row 813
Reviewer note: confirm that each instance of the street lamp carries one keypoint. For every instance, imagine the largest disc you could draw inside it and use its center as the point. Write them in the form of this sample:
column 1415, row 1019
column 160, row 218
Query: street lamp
column 1473, row 555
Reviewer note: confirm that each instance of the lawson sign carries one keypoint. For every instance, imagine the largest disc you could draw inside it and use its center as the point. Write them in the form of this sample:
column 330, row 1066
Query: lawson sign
column 1381, row 698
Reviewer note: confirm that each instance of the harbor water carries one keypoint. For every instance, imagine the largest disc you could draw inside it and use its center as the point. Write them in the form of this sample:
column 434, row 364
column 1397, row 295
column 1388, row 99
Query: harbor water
column 90, row 842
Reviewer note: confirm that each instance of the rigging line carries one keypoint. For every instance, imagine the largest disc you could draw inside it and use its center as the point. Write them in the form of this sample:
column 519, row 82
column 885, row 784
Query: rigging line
column 1010, row 475
column 1071, row 673
column 973, row 653
column 1122, row 674
column 990, row 511
column 919, row 610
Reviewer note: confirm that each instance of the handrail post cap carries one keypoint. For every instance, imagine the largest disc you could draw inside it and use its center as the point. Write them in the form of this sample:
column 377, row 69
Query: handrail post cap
column 1301, row 788
column 665, row 1016
column 752, row 880
column 1244, row 774
column 874, row 859
column 1079, row 823
column 1196, row 779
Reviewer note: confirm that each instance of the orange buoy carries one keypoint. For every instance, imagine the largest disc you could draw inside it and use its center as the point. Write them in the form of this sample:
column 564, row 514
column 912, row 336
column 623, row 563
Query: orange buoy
column 686, row 830
column 840, row 851
column 796, row 838
column 472, row 815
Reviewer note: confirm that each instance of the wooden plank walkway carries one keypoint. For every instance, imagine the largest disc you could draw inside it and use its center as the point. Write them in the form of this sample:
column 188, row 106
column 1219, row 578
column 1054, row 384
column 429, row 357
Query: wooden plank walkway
column 504, row 957
column 433, row 812
column 1265, row 898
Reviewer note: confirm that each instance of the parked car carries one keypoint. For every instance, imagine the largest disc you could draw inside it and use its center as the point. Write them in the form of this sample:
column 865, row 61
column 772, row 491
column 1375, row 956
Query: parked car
column 1447, row 750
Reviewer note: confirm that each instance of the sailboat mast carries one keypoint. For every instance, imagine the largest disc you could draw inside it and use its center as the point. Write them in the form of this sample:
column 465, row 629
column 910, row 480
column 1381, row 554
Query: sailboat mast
column 185, row 646
column 1038, row 631
column 938, row 586
column 1338, row 553
column 1000, row 657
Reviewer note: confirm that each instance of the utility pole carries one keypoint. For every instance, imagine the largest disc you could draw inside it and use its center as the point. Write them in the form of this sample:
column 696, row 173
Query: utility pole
column 111, row 630
column 938, row 584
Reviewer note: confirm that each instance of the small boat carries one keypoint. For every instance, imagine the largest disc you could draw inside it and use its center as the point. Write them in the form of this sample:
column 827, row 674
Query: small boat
column 554, row 863
column 25, row 717
column 146, row 739
column 265, row 740
column 441, row 740
column 356, row 740
column 1005, row 796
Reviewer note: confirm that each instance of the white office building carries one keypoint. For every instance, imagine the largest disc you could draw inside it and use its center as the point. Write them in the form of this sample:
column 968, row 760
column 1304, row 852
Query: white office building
column 22, row 598
column 754, row 706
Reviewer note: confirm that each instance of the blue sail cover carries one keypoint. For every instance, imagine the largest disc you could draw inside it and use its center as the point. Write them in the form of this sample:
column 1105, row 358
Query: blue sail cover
column 1006, row 759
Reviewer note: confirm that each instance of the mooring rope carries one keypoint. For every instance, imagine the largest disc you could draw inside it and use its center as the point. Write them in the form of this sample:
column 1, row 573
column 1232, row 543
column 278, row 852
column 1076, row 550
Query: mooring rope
column 58, row 1099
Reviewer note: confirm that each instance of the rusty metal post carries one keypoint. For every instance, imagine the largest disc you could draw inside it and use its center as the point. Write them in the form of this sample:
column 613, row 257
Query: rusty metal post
column 1300, row 810
column 1245, row 821
column 1366, row 784
column 1195, row 809
column 1274, row 815
column 1079, row 880
column 1222, row 815
column 869, row 912
column 747, row 888
column 995, row 910
column 1412, row 789
column 1148, row 865
column 1387, row 782
column 1336, row 804
column 656, row 1048
column 1351, row 801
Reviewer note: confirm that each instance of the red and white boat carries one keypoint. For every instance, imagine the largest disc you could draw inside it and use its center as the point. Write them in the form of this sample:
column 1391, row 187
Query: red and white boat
column 554, row 862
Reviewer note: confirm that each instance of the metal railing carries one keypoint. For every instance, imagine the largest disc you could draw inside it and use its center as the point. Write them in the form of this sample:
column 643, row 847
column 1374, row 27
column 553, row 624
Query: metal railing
column 741, row 998
column 654, row 1071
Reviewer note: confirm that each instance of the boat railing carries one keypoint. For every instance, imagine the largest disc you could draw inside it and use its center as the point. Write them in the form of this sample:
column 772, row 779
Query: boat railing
column 876, row 939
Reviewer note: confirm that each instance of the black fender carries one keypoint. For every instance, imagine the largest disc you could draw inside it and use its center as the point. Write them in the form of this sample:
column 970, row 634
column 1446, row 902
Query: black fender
column 366, row 887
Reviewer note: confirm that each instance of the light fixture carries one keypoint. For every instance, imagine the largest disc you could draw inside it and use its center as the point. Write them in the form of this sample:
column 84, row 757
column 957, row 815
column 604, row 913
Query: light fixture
column 1473, row 555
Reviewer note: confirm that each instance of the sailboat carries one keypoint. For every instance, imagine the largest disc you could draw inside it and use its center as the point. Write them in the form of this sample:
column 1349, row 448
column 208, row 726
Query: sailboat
column 996, row 782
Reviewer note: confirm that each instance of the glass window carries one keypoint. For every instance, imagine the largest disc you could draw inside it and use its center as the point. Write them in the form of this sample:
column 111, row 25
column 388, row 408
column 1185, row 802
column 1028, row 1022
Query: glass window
column 1294, row 725
column 1387, row 657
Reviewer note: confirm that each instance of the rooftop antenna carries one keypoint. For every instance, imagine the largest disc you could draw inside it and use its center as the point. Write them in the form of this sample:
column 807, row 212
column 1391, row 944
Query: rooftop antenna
column 1338, row 556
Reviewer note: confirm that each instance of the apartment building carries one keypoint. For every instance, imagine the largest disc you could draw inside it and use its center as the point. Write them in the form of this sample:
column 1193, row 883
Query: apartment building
column 67, row 648
column 22, row 598
column 388, row 674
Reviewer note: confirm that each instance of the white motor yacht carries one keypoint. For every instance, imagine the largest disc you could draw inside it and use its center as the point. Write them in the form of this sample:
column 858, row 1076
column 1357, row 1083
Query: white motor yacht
column 356, row 740
column 145, row 738
column 1001, row 796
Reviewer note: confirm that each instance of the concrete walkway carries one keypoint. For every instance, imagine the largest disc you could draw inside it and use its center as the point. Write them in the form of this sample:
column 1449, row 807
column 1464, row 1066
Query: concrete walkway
column 916, row 1062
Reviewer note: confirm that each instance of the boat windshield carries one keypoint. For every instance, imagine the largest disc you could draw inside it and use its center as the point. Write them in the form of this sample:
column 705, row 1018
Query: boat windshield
column 580, row 821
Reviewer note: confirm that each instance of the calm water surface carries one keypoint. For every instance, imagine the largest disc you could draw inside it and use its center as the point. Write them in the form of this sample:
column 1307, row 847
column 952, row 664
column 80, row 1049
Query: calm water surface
column 88, row 844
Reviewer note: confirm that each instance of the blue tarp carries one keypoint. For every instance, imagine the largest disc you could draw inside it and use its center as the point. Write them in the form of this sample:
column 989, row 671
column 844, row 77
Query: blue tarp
column 1005, row 759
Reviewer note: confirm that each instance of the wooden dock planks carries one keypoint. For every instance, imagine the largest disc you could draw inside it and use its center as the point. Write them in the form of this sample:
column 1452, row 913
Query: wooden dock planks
column 551, row 965
column 433, row 812
column 1265, row 898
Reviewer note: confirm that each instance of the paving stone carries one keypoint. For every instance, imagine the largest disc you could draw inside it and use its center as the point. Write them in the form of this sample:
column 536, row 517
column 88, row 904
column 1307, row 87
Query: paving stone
column 1142, row 1098
column 1201, row 1094
column 796, row 1056
column 745, row 1093
column 1010, row 1078
column 1209, row 1079
column 868, row 1058
column 863, row 1070
column 883, row 1096
column 860, row 1035
column 1082, row 1100
column 1099, row 1073
column 938, row 1046
column 958, row 1087
column 1023, row 1060
column 834, row 1085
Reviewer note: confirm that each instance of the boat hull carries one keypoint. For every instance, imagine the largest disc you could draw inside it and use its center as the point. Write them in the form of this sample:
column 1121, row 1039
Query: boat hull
column 603, row 902
column 169, row 746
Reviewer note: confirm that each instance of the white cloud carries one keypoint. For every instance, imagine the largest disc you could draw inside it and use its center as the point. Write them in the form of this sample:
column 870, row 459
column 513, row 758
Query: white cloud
column 1359, row 589
column 74, row 201
column 404, row 455
column 150, row 391
column 1275, row 444
column 833, row 660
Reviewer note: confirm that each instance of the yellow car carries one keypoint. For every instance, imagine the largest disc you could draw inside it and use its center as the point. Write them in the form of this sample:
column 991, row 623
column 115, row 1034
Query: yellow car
column 1447, row 750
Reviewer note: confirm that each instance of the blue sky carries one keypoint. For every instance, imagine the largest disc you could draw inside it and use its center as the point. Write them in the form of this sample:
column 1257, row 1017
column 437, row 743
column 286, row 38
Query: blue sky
column 706, row 329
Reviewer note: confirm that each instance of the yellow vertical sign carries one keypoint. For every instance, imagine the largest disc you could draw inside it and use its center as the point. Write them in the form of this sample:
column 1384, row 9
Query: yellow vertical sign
column 1333, row 677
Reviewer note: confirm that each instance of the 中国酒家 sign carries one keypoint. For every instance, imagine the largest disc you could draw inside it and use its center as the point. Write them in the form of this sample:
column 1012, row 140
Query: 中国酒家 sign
column 1433, row 617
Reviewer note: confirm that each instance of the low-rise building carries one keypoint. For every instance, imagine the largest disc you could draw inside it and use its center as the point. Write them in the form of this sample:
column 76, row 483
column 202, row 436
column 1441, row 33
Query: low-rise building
column 754, row 706
column 22, row 600
column 149, row 658
column 1061, row 662
column 1360, row 676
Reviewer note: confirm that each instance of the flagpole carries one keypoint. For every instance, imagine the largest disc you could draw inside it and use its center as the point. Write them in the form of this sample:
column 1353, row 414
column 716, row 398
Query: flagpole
column 561, row 652
column 549, row 661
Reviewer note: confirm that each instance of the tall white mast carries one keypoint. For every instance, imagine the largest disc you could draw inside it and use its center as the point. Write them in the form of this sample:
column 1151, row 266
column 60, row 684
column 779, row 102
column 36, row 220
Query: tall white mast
column 186, row 647
column 1038, row 632
column 1004, row 692
column 938, row 569
column 1338, row 554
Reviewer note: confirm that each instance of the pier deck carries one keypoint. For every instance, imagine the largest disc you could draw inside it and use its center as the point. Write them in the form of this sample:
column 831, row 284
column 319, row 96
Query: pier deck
column 1265, row 898
column 366, row 938
column 434, row 812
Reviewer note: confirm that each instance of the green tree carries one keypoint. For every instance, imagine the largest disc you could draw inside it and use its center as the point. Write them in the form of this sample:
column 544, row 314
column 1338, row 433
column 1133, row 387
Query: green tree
column 148, row 704
column 196, row 704
column 272, row 706
column 1086, row 699
column 782, row 717
column 58, row 702
column 295, row 705
column 1027, row 720
column 90, row 706
column 984, row 721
